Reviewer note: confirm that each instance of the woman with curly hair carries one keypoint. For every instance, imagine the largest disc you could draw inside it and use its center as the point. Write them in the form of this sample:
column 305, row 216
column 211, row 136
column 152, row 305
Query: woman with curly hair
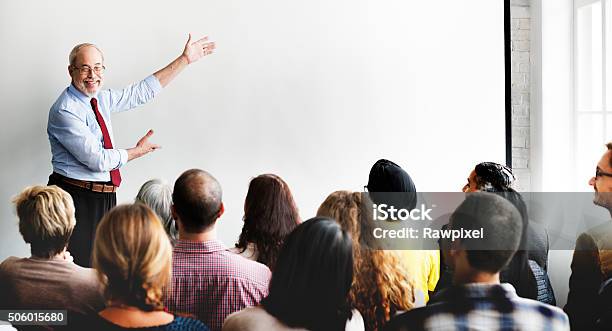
column 379, row 289
column 270, row 214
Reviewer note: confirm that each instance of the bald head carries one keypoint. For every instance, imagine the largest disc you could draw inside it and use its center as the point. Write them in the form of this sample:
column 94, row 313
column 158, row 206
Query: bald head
column 72, row 57
column 197, row 200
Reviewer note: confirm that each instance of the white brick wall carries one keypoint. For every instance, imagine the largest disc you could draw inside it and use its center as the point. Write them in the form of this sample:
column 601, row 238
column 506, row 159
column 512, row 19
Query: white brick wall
column 520, row 23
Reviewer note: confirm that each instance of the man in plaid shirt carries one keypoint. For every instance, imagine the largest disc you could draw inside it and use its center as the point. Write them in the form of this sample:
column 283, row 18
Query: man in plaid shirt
column 208, row 281
column 478, row 301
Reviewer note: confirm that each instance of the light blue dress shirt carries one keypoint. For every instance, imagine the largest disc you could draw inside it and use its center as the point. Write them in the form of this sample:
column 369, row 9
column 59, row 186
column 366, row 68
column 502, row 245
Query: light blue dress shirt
column 76, row 138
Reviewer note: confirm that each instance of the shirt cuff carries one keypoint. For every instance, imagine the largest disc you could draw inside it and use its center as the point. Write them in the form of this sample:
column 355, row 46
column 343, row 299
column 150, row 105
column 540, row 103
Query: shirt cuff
column 154, row 84
column 123, row 158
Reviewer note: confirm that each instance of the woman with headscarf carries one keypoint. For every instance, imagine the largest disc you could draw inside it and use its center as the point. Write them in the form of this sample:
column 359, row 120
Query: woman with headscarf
column 422, row 266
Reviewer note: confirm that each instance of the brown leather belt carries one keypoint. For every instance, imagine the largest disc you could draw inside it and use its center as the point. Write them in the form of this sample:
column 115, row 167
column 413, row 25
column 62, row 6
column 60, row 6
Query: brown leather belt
column 91, row 186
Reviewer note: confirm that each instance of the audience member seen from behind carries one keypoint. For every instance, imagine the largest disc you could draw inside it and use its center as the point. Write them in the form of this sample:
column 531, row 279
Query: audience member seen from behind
column 157, row 194
column 380, row 289
column 527, row 270
column 310, row 285
column 421, row 265
column 589, row 301
column 208, row 281
column 48, row 279
column 477, row 300
column 132, row 255
column 494, row 177
column 270, row 214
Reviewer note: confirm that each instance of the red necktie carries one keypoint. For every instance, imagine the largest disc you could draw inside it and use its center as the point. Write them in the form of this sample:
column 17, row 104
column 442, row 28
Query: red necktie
column 115, row 175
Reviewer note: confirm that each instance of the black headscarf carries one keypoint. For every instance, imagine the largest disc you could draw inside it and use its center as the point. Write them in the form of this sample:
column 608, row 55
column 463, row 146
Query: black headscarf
column 386, row 176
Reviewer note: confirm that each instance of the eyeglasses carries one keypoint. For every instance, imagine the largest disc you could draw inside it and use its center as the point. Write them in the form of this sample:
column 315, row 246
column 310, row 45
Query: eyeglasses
column 599, row 173
column 86, row 70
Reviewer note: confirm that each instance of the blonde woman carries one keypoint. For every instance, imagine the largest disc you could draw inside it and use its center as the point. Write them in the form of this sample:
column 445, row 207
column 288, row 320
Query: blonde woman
column 48, row 279
column 380, row 289
column 132, row 255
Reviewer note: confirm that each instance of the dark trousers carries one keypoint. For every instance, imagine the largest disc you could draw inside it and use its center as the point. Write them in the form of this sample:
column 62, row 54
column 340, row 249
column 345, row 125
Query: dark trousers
column 89, row 208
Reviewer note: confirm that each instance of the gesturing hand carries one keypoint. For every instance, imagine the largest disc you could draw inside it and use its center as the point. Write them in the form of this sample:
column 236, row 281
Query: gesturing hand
column 197, row 50
column 145, row 145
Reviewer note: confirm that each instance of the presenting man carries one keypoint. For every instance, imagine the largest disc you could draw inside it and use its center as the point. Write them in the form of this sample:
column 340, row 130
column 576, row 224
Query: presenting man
column 587, row 306
column 85, row 160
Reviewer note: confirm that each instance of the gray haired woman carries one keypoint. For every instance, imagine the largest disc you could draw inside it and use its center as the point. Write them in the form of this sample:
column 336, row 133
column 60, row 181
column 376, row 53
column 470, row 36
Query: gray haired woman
column 157, row 194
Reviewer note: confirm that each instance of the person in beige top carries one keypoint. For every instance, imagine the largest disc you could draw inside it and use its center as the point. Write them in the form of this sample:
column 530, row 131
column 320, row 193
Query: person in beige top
column 48, row 279
column 310, row 286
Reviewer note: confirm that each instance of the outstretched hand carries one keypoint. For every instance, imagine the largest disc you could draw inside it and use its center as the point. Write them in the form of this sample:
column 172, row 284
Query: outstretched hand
column 198, row 49
column 145, row 145
column 193, row 52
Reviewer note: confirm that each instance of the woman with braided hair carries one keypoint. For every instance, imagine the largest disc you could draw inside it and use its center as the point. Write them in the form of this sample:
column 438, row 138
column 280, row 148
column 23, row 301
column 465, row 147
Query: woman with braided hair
column 527, row 269
column 490, row 177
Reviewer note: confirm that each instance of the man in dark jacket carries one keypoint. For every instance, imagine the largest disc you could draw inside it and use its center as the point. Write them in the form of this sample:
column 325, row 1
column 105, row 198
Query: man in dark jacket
column 592, row 260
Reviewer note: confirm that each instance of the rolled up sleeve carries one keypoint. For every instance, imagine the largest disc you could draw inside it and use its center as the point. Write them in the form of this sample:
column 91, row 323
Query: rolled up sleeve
column 134, row 95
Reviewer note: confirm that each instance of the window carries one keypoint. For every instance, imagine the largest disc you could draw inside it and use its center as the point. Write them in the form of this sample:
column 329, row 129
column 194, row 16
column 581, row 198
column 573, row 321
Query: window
column 592, row 111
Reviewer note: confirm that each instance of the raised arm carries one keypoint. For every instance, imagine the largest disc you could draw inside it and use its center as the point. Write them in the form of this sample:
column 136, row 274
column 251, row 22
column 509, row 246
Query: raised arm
column 193, row 52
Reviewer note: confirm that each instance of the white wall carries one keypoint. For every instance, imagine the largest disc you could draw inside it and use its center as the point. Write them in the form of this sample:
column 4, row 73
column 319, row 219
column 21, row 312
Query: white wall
column 314, row 91
column 551, row 101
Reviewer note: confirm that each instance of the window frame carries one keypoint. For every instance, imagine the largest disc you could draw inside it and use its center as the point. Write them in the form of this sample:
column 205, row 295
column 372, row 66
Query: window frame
column 576, row 111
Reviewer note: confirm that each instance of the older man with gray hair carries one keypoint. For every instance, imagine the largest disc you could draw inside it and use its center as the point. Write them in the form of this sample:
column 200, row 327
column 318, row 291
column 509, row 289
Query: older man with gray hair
column 85, row 159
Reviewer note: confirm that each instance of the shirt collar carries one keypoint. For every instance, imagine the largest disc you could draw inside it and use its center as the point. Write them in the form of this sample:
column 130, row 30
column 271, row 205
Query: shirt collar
column 210, row 246
column 475, row 291
column 80, row 95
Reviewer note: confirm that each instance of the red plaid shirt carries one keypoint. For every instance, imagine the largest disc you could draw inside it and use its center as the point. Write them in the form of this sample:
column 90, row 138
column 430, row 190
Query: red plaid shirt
column 209, row 282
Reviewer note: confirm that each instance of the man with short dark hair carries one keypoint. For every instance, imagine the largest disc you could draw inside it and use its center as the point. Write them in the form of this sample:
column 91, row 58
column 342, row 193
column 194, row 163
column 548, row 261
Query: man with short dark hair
column 477, row 300
column 592, row 260
column 208, row 281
